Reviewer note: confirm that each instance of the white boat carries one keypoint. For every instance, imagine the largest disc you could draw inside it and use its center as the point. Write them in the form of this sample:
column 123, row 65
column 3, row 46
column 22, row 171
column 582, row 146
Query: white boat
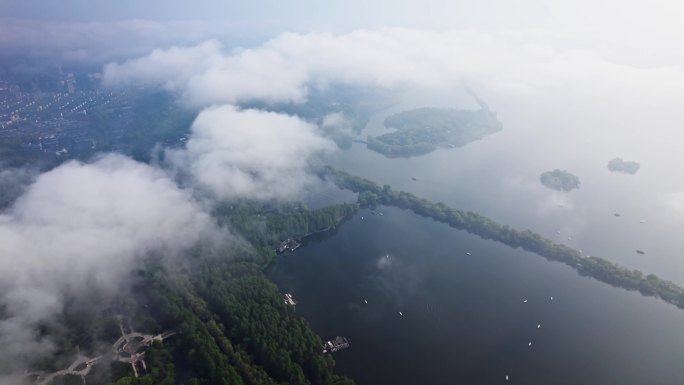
column 524, row 301
column 468, row 254
column 365, row 300
column 529, row 344
column 401, row 314
column 538, row 326
column 551, row 298
column 507, row 377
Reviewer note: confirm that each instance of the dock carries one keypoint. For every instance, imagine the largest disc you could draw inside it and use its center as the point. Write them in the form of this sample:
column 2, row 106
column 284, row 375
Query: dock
column 335, row 345
column 289, row 244
column 289, row 300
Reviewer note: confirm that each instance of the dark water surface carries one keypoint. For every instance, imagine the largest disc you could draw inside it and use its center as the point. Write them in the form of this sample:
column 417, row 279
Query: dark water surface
column 464, row 320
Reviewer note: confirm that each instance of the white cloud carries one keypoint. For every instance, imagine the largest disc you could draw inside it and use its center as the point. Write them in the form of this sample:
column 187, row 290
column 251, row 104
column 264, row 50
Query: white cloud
column 538, row 70
column 334, row 120
column 249, row 153
column 83, row 227
column 283, row 69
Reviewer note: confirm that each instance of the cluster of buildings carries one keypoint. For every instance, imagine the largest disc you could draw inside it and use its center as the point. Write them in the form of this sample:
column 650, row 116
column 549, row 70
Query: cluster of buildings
column 289, row 244
column 52, row 117
column 335, row 345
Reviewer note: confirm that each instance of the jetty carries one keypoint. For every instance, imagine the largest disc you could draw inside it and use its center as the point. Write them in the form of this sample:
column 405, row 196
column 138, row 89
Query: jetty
column 335, row 345
column 290, row 244
column 289, row 300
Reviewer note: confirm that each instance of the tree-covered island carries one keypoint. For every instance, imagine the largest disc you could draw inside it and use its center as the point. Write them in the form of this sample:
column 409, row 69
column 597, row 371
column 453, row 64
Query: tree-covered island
column 624, row 166
column 560, row 180
column 422, row 130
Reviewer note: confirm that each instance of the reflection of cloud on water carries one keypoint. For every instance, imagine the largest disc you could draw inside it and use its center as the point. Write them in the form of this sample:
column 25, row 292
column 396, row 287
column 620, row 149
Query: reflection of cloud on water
column 548, row 202
column 673, row 202
column 384, row 262
column 559, row 216
column 398, row 280
column 555, row 202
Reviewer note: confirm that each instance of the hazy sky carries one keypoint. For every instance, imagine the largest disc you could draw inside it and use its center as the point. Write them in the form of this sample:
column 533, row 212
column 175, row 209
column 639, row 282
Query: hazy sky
column 638, row 31
column 359, row 13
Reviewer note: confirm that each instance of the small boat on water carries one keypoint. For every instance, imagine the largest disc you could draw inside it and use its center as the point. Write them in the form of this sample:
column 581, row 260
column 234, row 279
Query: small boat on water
column 529, row 344
column 468, row 254
column 551, row 298
column 366, row 301
column 538, row 326
column 401, row 314
column 507, row 377
column 640, row 252
column 525, row 301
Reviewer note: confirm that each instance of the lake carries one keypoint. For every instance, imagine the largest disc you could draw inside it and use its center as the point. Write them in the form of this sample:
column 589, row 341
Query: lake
column 464, row 316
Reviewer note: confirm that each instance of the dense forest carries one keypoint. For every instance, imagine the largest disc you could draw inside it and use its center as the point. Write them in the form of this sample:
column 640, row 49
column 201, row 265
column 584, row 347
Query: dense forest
column 234, row 326
column 371, row 194
column 265, row 224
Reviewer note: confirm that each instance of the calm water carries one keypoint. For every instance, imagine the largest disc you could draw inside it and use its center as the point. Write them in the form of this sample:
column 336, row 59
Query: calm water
column 464, row 319
column 498, row 176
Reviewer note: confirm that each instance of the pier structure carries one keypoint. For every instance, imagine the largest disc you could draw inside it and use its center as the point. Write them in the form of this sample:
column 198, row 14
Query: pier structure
column 335, row 345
